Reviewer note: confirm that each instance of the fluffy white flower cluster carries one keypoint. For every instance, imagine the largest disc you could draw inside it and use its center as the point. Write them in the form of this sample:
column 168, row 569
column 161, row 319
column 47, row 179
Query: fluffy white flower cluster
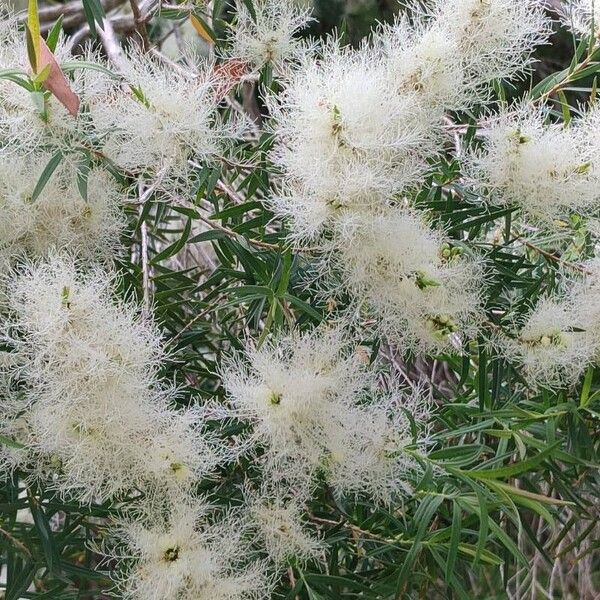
column 313, row 408
column 92, row 421
column 182, row 557
column 348, row 149
column 92, row 415
column 417, row 284
column 34, row 120
column 157, row 119
column 269, row 36
column 447, row 51
column 581, row 16
column 60, row 218
column 547, row 169
column 150, row 120
column 559, row 338
column 277, row 519
column 345, row 141
column 76, row 209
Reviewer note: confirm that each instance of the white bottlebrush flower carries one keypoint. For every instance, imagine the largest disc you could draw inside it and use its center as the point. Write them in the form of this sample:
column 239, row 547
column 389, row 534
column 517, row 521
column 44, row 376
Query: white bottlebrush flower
column 270, row 37
column 93, row 411
column 496, row 37
column 184, row 557
column 372, row 459
column 342, row 139
column 424, row 60
column 448, row 50
column 59, row 218
column 559, row 338
column 164, row 119
column 276, row 515
column 305, row 398
column 406, row 276
column 551, row 347
column 292, row 393
column 547, row 169
column 581, row 16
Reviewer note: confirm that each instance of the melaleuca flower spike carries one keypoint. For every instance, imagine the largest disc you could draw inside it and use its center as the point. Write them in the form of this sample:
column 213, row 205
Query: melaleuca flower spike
column 547, row 169
column 94, row 411
column 420, row 288
column 269, row 37
column 162, row 120
column 306, row 398
column 184, row 556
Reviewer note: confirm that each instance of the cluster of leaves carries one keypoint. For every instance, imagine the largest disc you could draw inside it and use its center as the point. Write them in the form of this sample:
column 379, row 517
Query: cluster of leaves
column 511, row 481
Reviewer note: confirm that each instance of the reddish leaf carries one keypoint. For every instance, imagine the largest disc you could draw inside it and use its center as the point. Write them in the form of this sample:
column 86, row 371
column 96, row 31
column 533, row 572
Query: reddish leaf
column 56, row 82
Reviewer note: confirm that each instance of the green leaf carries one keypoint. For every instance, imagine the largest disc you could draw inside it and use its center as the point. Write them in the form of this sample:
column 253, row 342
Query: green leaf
column 6, row 441
column 175, row 247
column 54, row 34
column 249, row 4
column 304, row 307
column 514, row 469
column 33, row 33
column 46, row 174
column 42, row 75
column 454, row 540
column 83, row 172
column 16, row 76
column 208, row 236
column 43, row 529
column 32, row 54
column 71, row 66
column 423, row 517
column 584, row 399
column 94, row 14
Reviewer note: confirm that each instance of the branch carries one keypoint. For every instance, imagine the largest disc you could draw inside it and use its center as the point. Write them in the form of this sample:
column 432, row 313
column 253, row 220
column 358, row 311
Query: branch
column 140, row 24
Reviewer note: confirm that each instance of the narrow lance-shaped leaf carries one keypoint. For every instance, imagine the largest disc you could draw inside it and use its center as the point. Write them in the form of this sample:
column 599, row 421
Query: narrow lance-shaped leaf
column 34, row 36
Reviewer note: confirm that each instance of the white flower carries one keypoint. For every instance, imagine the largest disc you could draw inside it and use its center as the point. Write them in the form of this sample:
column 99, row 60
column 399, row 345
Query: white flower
column 372, row 459
column 95, row 417
column 549, row 348
column 547, row 169
column 184, row 557
column 560, row 337
column 448, row 50
column 424, row 60
column 581, row 16
column 36, row 121
column 406, row 276
column 164, row 119
column 495, row 37
column 60, row 218
column 343, row 139
column 269, row 39
column 278, row 517
column 292, row 393
column 310, row 402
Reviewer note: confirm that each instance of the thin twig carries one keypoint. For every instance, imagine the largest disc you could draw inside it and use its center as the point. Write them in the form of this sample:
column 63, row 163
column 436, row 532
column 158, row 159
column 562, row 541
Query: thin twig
column 552, row 257
column 191, row 323
column 140, row 24
column 292, row 579
column 145, row 264
column 111, row 44
column 15, row 542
